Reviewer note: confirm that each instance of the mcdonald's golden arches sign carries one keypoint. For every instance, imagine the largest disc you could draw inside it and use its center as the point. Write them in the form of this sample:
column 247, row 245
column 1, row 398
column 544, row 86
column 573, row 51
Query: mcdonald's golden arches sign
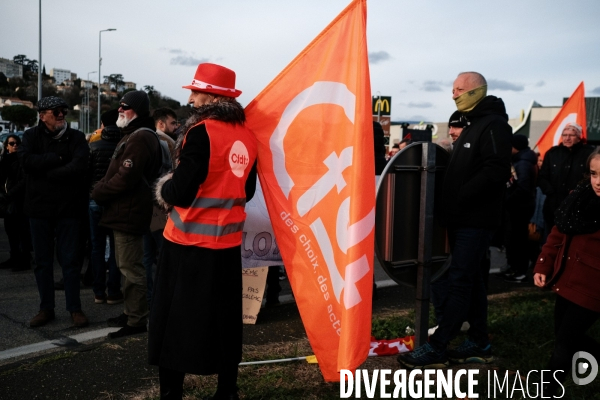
column 382, row 105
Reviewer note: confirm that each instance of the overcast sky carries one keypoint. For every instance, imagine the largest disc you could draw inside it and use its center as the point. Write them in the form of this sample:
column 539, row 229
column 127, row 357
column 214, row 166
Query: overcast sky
column 527, row 49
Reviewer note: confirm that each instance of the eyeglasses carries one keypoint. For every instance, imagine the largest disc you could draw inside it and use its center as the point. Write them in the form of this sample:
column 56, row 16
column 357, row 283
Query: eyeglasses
column 125, row 107
column 566, row 135
column 57, row 111
column 12, row 143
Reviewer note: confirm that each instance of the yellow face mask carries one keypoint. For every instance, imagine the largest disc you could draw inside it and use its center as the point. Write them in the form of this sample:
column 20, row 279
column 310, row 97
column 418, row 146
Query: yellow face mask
column 468, row 100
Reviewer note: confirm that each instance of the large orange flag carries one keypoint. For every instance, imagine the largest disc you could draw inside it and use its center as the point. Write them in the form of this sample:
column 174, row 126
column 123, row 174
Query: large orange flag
column 315, row 145
column 572, row 111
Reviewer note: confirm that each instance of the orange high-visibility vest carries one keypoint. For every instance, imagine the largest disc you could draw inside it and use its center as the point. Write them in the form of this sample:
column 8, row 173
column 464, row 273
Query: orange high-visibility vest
column 216, row 217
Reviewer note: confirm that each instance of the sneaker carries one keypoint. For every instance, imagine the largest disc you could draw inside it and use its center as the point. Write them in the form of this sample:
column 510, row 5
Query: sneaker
column 115, row 298
column 42, row 318
column 127, row 331
column 79, row 319
column 507, row 272
column 516, row 278
column 119, row 322
column 424, row 357
column 100, row 299
column 470, row 352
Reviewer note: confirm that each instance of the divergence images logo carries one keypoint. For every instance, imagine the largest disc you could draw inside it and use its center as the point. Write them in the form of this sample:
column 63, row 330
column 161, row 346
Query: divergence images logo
column 580, row 368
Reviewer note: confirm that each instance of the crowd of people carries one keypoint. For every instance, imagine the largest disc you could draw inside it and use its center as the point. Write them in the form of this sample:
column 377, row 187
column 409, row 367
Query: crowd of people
column 144, row 191
column 64, row 192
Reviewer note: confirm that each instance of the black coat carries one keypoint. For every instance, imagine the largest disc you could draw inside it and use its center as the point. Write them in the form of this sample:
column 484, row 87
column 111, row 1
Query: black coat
column 101, row 152
column 56, row 173
column 520, row 195
column 475, row 180
column 12, row 183
column 563, row 168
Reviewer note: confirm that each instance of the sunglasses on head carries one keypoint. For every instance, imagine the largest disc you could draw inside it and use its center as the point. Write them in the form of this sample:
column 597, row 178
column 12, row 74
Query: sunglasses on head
column 57, row 111
column 125, row 107
column 12, row 143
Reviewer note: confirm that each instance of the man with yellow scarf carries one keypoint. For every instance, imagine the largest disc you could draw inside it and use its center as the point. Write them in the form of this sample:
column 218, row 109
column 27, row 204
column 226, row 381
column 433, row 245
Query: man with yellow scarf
column 472, row 195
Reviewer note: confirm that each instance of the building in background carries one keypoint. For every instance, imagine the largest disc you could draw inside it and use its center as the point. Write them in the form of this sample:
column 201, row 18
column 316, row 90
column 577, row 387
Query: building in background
column 129, row 85
column 10, row 69
column 60, row 75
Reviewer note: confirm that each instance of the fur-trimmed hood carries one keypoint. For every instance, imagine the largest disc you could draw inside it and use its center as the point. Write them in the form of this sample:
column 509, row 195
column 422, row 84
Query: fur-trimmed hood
column 226, row 109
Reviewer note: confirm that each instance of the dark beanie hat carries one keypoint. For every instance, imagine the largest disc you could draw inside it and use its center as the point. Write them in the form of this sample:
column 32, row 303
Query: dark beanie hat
column 519, row 142
column 139, row 102
column 50, row 103
column 458, row 120
column 110, row 117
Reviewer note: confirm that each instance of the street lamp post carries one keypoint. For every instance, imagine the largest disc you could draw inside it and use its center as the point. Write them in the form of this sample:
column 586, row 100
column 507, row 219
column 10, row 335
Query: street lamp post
column 99, row 67
column 40, row 83
column 87, row 108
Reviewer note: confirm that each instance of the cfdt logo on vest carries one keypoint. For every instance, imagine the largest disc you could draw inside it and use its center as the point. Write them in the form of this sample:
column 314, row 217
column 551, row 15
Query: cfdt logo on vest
column 238, row 158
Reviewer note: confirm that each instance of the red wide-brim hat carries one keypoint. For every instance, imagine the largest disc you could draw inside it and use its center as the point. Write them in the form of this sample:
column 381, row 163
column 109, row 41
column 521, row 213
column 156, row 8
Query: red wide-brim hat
column 215, row 79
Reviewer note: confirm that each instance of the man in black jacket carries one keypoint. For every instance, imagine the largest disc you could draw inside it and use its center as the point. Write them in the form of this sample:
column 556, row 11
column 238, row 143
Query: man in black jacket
column 472, row 197
column 126, row 195
column 54, row 158
column 562, row 169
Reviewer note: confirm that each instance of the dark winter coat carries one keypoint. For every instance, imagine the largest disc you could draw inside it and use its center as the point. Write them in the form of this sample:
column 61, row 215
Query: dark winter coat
column 12, row 184
column 572, row 269
column 56, row 173
column 101, row 152
column 520, row 194
column 125, row 191
column 475, row 179
column 563, row 168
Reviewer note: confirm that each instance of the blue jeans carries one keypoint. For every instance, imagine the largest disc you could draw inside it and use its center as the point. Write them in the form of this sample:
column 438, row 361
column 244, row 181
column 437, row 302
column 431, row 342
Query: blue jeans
column 152, row 243
column 462, row 288
column 66, row 231
column 98, row 236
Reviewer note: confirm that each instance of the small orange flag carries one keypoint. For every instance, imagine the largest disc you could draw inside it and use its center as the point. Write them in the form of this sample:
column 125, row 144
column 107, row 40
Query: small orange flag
column 316, row 167
column 572, row 111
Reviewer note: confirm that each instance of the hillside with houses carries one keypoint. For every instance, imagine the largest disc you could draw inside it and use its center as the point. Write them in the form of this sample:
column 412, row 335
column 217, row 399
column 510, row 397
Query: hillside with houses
column 19, row 94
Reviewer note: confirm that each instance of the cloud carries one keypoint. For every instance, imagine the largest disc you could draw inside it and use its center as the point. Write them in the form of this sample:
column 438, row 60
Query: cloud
column 187, row 61
column 432, row 86
column 172, row 51
column 540, row 84
column 378, row 56
column 424, row 104
column 596, row 91
column 494, row 84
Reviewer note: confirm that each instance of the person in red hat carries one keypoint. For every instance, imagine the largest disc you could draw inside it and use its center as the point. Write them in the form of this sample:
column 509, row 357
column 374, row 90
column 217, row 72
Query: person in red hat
column 196, row 316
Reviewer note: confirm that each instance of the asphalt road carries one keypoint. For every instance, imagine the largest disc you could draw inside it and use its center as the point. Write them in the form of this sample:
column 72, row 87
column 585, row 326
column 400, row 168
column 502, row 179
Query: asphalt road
column 58, row 361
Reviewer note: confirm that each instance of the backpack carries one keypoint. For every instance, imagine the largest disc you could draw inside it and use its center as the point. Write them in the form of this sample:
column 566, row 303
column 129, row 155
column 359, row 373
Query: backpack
column 166, row 164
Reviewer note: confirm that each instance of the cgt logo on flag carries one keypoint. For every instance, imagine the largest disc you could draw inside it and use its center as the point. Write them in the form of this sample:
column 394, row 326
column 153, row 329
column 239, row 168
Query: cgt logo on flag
column 315, row 136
